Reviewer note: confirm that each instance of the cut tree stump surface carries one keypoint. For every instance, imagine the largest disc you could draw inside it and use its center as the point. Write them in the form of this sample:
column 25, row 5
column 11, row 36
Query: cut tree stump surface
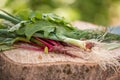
column 21, row 64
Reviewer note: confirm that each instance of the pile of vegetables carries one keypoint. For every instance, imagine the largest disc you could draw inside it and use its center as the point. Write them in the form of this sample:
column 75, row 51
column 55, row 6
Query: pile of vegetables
column 47, row 33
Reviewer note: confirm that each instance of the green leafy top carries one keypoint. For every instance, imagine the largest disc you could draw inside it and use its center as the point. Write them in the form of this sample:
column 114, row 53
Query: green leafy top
column 42, row 25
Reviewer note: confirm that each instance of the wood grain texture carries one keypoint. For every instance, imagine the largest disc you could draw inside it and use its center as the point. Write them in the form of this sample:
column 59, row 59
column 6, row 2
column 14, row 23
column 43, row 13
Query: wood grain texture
column 64, row 68
column 30, row 56
column 21, row 64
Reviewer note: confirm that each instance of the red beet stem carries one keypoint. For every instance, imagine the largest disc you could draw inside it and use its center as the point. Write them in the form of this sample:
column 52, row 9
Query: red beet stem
column 54, row 43
column 61, row 49
column 44, row 42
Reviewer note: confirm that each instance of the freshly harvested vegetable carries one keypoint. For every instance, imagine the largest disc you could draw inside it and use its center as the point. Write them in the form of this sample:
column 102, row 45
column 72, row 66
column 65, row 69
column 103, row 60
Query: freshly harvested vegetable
column 48, row 26
column 51, row 33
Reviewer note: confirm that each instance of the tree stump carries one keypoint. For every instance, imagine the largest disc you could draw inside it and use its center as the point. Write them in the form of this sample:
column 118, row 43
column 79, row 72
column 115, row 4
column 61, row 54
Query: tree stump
column 21, row 64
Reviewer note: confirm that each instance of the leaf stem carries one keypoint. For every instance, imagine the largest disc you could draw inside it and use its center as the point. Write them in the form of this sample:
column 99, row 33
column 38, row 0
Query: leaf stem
column 9, row 17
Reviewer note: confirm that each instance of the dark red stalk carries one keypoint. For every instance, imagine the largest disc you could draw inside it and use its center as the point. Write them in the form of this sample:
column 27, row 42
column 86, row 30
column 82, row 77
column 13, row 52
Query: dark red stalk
column 54, row 43
column 61, row 49
column 44, row 42
column 53, row 46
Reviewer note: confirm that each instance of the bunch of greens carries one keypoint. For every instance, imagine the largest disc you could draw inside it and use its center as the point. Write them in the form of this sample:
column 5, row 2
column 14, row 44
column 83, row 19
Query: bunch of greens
column 51, row 33
column 45, row 31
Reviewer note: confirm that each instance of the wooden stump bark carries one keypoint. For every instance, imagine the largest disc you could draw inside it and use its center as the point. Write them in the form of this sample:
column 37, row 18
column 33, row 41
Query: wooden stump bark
column 20, row 64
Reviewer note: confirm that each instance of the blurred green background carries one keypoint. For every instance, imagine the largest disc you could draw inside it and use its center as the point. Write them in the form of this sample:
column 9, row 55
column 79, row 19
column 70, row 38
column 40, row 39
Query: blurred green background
column 100, row 12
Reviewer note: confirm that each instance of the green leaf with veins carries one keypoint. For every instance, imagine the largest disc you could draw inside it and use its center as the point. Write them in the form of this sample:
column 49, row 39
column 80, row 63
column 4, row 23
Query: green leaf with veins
column 45, row 26
column 48, row 26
